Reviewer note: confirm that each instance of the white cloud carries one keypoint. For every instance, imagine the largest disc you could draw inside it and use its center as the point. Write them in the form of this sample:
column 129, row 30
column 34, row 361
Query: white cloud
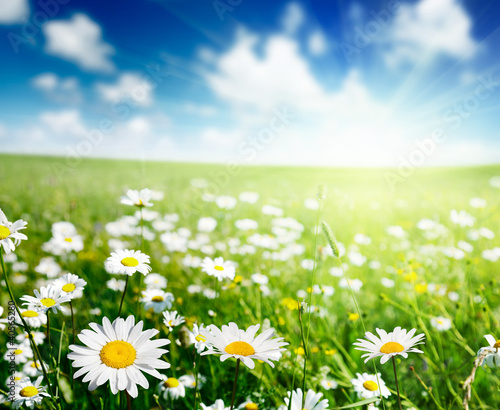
column 129, row 86
column 65, row 90
column 292, row 18
column 67, row 123
column 79, row 40
column 429, row 26
column 14, row 11
column 317, row 43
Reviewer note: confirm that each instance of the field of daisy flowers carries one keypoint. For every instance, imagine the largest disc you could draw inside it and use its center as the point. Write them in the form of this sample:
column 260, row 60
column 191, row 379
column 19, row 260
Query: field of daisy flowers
column 209, row 289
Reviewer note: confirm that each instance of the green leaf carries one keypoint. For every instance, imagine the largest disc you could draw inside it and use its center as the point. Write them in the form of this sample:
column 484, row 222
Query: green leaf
column 359, row 403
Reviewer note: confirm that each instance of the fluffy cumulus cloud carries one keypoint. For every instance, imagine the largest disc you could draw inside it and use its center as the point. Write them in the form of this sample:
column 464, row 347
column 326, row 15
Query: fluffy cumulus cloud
column 66, row 123
column 79, row 40
column 14, row 11
column 64, row 90
column 429, row 26
column 129, row 86
column 292, row 18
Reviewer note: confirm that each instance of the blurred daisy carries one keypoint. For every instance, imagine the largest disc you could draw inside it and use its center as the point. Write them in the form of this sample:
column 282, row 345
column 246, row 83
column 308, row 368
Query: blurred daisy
column 33, row 318
column 18, row 354
column 218, row 268
column 140, row 198
column 196, row 338
column 116, row 284
column 461, row 218
column 171, row 387
column 329, row 384
column 369, row 385
column 127, row 262
column 218, row 405
column 118, row 352
column 441, row 323
column 33, row 368
column 492, row 358
column 155, row 281
column 478, row 203
column 70, row 284
column 225, row 202
column 207, row 224
column 230, row 341
column 189, row 381
column 38, row 337
column 49, row 298
column 312, row 401
column 171, row 319
column 9, row 235
column 157, row 300
column 60, row 244
column 397, row 342
column 29, row 394
column 248, row 405
column 48, row 266
column 249, row 197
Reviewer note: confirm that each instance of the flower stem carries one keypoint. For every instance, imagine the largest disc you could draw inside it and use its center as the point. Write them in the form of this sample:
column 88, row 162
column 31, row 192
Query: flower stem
column 235, row 382
column 396, row 379
column 123, row 296
column 72, row 320
column 26, row 327
column 196, row 372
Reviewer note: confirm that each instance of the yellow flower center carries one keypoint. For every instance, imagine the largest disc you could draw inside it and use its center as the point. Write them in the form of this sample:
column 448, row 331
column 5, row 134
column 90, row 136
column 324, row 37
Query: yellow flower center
column 218, row 267
column 69, row 287
column 4, row 232
column 157, row 299
column 200, row 338
column 48, row 302
column 17, row 378
column 391, row 347
column 18, row 351
column 171, row 382
column 35, row 365
column 251, row 406
column 240, row 349
column 129, row 261
column 440, row 321
column 497, row 344
column 118, row 354
column 28, row 391
column 68, row 239
column 29, row 313
column 139, row 203
column 370, row 385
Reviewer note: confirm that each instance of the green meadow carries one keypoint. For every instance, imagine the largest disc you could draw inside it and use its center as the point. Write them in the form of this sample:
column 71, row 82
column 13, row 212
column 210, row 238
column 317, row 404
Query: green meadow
column 431, row 275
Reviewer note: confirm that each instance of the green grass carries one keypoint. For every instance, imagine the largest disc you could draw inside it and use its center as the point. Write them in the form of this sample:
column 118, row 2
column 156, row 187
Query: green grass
column 45, row 190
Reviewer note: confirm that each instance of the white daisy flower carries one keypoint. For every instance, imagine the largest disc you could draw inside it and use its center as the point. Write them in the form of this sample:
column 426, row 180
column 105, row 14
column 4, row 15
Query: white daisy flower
column 3, row 322
column 397, row 342
column 48, row 266
column 370, row 385
column 118, row 352
column 189, row 381
column 246, row 224
column 19, row 354
column 117, row 285
column 127, row 262
column 33, row 368
column 441, row 323
column 312, row 401
column 329, row 384
column 207, row 224
column 38, row 337
column 248, row 405
column 171, row 319
column 493, row 357
column 49, row 298
column 218, row 405
column 70, row 284
column 157, row 300
column 218, row 268
column 230, row 341
column 155, row 281
column 140, row 198
column 61, row 244
column 9, row 235
column 15, row 377
column 249, row 197
column 225, row 202
column 29, row 394
column 462, row 218
column 196, row 338
column 33, row 318
column 171, row 387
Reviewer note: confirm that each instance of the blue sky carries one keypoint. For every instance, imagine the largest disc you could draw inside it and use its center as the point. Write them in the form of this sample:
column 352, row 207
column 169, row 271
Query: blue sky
column 337, row 83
